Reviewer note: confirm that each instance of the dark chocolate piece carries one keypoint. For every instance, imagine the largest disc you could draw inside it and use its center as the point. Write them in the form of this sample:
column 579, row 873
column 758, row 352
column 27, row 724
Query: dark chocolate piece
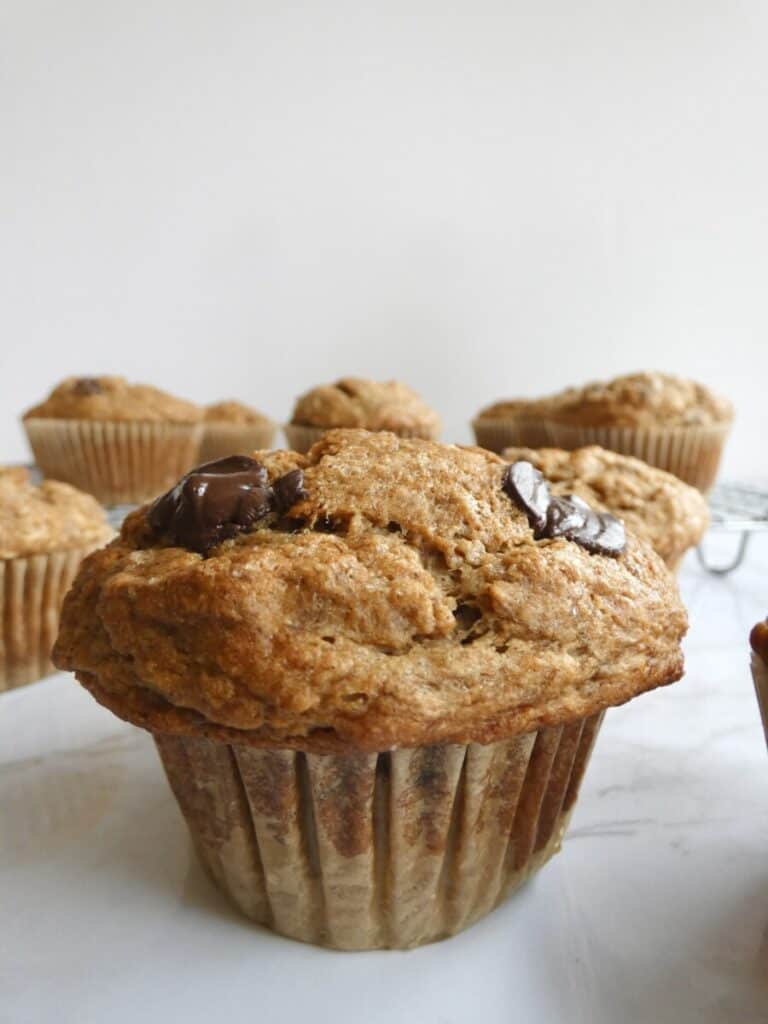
column 87, row 386
column 213, row 502
column 569, row 516
column 529, row 490
column 289, row 489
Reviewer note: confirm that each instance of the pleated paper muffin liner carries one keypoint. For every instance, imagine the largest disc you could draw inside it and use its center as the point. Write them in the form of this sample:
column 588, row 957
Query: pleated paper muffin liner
column 32, row 590
column 222, row 439
column 691, row 453
column 760, row 676
column 119, row 463
column 301, row 438
column 371, row 851
column 513, row 432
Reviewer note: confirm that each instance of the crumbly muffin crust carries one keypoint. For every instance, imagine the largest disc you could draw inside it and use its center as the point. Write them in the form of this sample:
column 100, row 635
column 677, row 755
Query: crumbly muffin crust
column 655, row 505
column 368, row 404
column 645, row 400
column 758, row 639
column 402, row 600
column 52, row 516
column 232, row 411
column 115, row 399
column 507, row 409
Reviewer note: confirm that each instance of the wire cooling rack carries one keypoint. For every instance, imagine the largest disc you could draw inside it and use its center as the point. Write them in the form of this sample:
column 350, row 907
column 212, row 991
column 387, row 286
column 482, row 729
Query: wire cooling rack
column 735, row 508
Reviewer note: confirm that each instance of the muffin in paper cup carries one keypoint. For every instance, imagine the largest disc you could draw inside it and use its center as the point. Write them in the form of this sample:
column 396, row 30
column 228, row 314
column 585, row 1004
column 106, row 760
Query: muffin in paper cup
column 355, row 402
column 759, row 642
column 121, row 442
column 690, row 453
column 233, row 428
column 670, row 515
column 371, row 673
column 496, row 434
column 45, row 532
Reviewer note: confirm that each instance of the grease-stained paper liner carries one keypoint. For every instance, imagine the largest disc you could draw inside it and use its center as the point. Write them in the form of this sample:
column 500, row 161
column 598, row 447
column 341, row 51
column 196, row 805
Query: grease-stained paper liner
column 32, row 590
column 369, row 851
column 222, row 439
column 513, row 432
column 760, row 676
column 691, row 453
column 119, row 463
column 301, row 438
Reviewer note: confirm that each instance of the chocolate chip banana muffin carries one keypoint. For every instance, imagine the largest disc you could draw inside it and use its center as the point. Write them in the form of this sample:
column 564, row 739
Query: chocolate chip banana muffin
column 758, row 640
column 670, row 422
column 122, row 442
column 386, row 659
column 366, row 404
column 654, row 505
column 232, row 428
column 45, row 532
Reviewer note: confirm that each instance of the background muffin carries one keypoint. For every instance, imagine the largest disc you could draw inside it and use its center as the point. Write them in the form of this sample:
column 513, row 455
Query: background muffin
column 232, row 428
column 510, row 423
column 669, row 422
column 121, row 442
column 758, row 639
column 45, row 531
column 670, row 515
column 366, row 404
column 366, row 663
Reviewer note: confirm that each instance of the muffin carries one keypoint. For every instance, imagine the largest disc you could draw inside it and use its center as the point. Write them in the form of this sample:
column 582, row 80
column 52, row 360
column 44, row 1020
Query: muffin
column 758, row 640
column 232, row 428
column 359, row 403
column 669, row 422
column 670, row 515
column 509, row 423
column 45, row 531
column 121, row 442
column 374, row 673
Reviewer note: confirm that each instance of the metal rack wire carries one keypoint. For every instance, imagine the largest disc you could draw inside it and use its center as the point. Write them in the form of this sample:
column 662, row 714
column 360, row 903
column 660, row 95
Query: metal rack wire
column 735, row 508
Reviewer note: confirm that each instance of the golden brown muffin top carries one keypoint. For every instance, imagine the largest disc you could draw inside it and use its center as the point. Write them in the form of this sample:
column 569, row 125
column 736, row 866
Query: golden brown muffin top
column 395, row 595
column 644, row 400
column 507, row 409
column 649, row 399
column 369, row 404
column 758, row 639
column 232, row 411
column 655, row 505
column 113, row 398
column 52, row 516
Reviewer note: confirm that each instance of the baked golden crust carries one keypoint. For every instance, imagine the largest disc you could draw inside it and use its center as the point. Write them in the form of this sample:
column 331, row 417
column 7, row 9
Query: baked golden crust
column 115, row 399
column 645, row 400
column 51, row 516
column 412, row 606
column 368, row 404
column 232, row 411
column 654, row 505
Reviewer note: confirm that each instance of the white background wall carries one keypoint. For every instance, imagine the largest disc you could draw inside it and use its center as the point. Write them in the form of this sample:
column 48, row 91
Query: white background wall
column 247, row 198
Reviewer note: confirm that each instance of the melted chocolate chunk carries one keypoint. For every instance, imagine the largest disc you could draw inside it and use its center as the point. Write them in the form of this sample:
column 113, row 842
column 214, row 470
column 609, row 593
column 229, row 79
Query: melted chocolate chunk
column 570, row 516
column 87, row 386
column 289, row 489
column 213, row 502
column 529, row 490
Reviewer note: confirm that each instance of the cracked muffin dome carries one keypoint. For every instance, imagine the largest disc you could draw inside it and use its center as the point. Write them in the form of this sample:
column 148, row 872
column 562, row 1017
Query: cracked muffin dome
column 114, row 399
column 368, row 404
column 52, row 516
column 655, row 505
column 378, row 592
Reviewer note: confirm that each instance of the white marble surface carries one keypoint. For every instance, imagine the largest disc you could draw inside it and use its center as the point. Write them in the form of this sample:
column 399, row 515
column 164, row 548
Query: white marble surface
column 655, row 911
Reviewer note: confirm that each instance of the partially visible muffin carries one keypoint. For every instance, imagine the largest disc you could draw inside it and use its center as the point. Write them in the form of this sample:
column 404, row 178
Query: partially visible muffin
column 670, row 422
column 120, row 441
column 356, row 402
column 758, row 640
column 45, row 532
column 233, row 428
column 655, row 505
column 390, row 652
